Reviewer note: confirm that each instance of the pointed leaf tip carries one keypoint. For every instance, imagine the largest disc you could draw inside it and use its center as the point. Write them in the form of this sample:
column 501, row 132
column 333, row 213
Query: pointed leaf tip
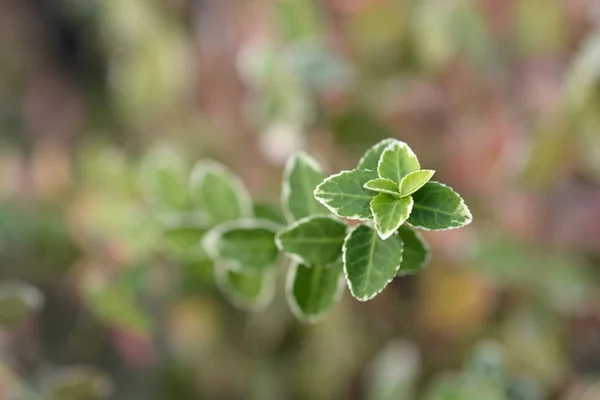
column 219, row 193
column 383, row 186
column 397, row 161
column 415, row 181
column 389, row 213
column 437, row 207
column 344, row 194
column 371, row 157
column 301, row 176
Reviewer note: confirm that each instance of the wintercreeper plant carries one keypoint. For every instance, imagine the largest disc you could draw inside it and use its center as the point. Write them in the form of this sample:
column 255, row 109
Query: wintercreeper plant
column 388, row 193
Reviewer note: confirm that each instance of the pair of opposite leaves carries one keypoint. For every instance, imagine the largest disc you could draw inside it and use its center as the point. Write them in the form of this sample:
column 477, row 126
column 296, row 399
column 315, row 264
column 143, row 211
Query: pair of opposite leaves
column 389, row 187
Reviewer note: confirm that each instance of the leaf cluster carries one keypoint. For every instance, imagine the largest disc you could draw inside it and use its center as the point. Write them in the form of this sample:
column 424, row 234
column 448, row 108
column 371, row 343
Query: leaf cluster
column 388, row 193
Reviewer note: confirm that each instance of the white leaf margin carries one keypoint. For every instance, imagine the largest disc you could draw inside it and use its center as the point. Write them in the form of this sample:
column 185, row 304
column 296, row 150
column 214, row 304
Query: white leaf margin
column 204, row 167
column 295, row 308
column 451, row 228
column 261, row 303
column 384, row 236
column 294, row 225
column 390, row 147
column 286, row 190
column 428, row 255
column 334, row 210
column 395, row 194
column 344, row 249
column 414, row 191
column 211, row 239
column 383, row 143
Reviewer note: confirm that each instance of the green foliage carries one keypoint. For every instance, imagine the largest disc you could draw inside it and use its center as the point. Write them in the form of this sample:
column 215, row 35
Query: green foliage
column 302, row 174
column 249, row 243
column 163, row 179
column 415, row 181
column 313, row 289
column 370, row 159
column 370, row 263
column 243, row 288
column 397, row 161
column 344, row 194
column 416, row 252
column 382, row 185
column 313, row 240
column 387, row 191
column 438, row 207
column 218, row 193
column 390, row 212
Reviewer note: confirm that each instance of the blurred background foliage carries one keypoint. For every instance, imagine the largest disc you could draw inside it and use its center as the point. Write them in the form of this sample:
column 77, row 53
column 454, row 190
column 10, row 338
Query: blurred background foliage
column 106, row 104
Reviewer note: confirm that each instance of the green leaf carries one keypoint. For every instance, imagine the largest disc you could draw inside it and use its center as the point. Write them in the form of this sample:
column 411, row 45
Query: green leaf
column 437, row 207
column 344, row 194
column 415, row 181
column 369, row 262
column 416, row 252
column 397, row 161
column 249, row 243
column 267, row 211
column 245, row 288
column 163, row 179
column 372, row 156
column 383, row 186
column 313, row 240
column 313, row 290
column 219, row 193
column 390, row 212
column 301, row 176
